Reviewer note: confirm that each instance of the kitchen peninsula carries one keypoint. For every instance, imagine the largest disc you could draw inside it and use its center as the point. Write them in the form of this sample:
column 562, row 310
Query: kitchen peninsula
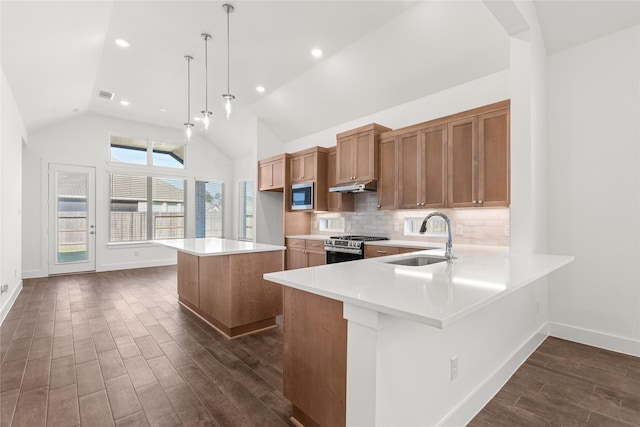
column 401, row 328
column 221, row 281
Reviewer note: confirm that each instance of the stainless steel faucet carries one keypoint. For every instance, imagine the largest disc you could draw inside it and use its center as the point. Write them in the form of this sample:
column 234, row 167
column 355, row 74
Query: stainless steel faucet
column 448, row 253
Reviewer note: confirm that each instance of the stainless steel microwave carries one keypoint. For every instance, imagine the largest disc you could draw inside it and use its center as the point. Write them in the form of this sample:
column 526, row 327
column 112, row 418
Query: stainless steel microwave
column 302, row 196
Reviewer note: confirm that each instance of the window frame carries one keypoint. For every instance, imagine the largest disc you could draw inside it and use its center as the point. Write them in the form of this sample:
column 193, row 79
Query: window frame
column 149, row 150
column 224, row 202
column 242, row 228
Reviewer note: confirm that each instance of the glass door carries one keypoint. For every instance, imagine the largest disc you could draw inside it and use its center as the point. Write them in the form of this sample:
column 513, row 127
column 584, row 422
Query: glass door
column 72, row 219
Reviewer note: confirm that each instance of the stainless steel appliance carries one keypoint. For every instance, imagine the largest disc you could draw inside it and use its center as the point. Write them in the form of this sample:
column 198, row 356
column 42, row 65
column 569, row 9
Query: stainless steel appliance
column 347, row 248
column 302, row 196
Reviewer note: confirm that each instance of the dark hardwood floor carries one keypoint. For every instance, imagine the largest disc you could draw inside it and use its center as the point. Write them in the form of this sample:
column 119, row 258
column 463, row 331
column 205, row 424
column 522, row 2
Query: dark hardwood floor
column 115, row 348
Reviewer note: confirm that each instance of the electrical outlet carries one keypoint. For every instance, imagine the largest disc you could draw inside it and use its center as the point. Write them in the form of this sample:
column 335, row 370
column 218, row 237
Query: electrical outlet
column 459, row 230
column 454, row 368
column 396, row 227
column 4, row 288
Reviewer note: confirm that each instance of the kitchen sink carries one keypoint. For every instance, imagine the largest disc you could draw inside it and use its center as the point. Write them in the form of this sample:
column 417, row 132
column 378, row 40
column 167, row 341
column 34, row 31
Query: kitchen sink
column 417, row 261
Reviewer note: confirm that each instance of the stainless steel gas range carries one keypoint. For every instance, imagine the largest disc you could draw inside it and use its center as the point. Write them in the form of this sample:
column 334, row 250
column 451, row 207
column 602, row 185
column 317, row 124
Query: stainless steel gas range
column 347, row 248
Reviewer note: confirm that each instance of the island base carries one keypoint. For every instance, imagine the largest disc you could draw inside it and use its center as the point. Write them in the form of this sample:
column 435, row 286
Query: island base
column 231, row 332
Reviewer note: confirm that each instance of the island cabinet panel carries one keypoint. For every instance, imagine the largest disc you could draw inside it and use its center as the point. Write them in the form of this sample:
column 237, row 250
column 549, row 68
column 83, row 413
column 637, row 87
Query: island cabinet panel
column 272, row 173
column 188, row 284
column 387, row 194
column 337, row 202
column 315, row 358
column 233, row 296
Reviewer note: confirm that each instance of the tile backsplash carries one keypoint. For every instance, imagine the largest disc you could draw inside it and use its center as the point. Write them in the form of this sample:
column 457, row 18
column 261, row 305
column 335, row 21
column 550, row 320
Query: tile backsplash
column 480, row 226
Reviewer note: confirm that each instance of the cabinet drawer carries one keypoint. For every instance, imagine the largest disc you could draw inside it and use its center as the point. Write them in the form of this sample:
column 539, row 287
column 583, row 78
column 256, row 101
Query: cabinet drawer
column 372, row 251
column 315, row 245
column 295, row 243
column 408, row 250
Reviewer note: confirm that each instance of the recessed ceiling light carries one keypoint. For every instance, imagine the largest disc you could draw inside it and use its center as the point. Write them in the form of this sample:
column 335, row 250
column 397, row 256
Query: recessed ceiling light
column 260, row 89
column 122, row 43
column 317, row 53
column 123, row 102
column 163, row 110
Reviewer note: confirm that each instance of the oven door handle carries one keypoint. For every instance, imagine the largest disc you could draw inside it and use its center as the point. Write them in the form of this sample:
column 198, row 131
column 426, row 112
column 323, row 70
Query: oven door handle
column 343, row 250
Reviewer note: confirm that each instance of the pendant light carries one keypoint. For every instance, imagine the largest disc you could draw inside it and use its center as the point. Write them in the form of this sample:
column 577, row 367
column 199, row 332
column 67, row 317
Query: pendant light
column 206, row 114
column 227, row 97
column 188, row 126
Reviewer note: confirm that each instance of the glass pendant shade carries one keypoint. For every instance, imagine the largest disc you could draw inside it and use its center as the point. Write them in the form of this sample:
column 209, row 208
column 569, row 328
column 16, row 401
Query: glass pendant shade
column 229, row 109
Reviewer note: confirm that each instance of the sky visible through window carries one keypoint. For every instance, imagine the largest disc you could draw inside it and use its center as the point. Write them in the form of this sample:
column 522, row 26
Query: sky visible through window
column 139, row 157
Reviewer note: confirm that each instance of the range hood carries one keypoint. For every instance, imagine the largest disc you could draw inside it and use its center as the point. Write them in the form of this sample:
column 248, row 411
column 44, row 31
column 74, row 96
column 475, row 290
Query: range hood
column 355, row 187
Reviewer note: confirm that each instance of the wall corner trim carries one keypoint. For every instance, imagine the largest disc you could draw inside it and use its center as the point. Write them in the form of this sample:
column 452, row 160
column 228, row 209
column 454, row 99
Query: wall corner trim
column 4, row 310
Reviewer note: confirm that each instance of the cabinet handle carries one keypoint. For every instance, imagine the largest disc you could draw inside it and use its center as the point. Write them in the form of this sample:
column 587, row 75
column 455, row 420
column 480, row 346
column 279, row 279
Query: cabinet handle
column 381, row 252
column 379, row 206
column 474, row 201
column 480, row 201
column 418, row 204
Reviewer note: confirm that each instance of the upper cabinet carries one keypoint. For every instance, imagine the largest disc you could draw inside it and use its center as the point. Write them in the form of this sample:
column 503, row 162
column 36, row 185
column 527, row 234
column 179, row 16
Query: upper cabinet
column 479, row 157
column 272, row 173
column 387, row 188
column 337, row 202
column 422, row 169
column 357, row 154
column 303, row 165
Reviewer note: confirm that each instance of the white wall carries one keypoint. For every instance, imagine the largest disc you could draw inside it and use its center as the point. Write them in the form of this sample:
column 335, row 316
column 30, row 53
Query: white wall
column 12, row 135
column 84, row 141
column 476, row 93
column 594, row 191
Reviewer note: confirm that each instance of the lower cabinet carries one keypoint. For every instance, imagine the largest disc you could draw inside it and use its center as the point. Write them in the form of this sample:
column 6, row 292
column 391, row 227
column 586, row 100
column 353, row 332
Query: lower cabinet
column 303, row 253
column 372, row 251
column 315, row 358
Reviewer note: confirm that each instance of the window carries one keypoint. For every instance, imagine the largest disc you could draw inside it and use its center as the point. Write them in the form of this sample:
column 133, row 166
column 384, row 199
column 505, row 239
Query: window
column 436, row 227
column 247, row 210
column 209, row 207
column 140, row 151
column 130, row 217
column 331, row 224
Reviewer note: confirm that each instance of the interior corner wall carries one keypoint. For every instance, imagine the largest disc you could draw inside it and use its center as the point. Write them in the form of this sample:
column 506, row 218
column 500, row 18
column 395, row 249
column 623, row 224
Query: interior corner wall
column 269, row 205
column 594, row 191
column 84, row 141
column 12, row 135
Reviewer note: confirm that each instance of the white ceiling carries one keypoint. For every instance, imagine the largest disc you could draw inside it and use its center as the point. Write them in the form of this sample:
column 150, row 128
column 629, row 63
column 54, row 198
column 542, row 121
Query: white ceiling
column 58, row 54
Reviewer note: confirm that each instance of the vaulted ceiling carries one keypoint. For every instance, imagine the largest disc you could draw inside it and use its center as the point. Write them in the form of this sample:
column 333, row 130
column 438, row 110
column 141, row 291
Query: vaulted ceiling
column 57, row 55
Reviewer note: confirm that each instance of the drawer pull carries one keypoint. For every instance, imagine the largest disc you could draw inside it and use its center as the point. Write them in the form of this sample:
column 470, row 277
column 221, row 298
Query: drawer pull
column 381, row 252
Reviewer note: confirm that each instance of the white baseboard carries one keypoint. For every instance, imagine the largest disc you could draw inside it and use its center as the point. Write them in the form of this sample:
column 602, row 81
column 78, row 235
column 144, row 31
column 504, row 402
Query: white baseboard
column 33, row 274
column 4, row 310
column 595, row 339
column 476, row 400
column 138, row 264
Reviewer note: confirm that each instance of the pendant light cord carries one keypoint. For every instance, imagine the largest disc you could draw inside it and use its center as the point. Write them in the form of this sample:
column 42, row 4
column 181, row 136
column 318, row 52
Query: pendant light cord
column 206, row 74
column 228, row 12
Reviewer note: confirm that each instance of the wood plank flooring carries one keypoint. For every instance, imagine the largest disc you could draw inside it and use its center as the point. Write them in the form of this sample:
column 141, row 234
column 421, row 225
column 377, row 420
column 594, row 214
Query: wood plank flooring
column 564, row 383
column 115, row 349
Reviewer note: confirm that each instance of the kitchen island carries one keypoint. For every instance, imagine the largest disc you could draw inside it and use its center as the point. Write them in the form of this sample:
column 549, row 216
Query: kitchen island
column 415, row 345
column 221, row 281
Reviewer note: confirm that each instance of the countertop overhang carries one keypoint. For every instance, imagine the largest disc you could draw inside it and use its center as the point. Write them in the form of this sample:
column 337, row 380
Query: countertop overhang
column 437, row 294
column 213, row 246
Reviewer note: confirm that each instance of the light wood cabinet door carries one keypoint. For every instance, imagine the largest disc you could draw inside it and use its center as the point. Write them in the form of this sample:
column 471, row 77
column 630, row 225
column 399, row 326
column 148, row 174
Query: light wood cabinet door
column 316, row 258
column 387, row 194
column 410, row 171
column 356, row 157
column 494, row 159
column 296, row 258
column 434, row 167
column 302, row 168
column 337, row 202
column 271, row 174
column 463, row 165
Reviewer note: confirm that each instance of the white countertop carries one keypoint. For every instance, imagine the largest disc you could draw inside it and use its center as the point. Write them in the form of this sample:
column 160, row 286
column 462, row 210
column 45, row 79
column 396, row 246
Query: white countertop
column 308, row 237
column 212, row 246
column 437, row 294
